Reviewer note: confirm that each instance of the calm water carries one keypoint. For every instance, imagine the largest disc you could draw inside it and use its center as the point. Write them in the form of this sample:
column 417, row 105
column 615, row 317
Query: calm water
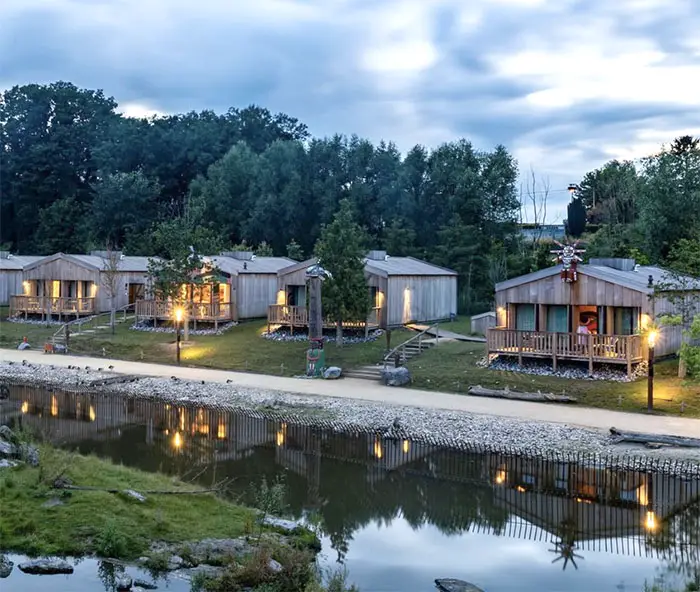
column 397, row 514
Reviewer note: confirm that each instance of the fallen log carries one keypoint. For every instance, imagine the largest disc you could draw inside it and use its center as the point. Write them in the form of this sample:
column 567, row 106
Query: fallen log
column 479, row 391
column 640, row 438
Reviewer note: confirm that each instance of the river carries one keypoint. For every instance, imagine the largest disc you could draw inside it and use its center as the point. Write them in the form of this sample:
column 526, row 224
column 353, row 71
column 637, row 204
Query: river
column 397, row 514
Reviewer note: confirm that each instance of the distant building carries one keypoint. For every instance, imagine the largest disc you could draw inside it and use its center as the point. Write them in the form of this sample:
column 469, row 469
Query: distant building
column 545, row 232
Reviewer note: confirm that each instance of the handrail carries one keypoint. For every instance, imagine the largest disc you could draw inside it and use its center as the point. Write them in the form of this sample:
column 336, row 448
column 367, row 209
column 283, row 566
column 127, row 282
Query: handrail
column 91, row 319
column 402, row 346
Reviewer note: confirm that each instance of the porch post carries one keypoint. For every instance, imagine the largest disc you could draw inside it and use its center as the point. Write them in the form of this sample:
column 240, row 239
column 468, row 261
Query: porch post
column 520, row 348
column 629, row 357
column 555, row 343
column 590, row 354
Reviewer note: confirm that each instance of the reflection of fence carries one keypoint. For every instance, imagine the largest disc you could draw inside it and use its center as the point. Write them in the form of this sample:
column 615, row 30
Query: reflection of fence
column 617, row 504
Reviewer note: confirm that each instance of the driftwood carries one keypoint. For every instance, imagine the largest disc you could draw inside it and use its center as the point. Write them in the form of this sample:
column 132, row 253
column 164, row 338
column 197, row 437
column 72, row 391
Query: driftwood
column 480, row 391
column 651, row 439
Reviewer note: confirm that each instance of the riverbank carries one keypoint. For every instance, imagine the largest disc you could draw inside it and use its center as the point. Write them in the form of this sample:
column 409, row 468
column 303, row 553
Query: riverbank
column 439, row 420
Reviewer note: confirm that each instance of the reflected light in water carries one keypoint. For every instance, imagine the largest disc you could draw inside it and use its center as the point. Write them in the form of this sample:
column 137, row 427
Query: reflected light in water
column 281, row 434
column 520, row 489
column 642, row 495
column 54, row 405
column 650, row 521
column 92, row 413
column 405, row 446
column 177, row 441
column 221, row 431
column 500, row 477
column 182, row 420
column 377, row 449
column 25, row 407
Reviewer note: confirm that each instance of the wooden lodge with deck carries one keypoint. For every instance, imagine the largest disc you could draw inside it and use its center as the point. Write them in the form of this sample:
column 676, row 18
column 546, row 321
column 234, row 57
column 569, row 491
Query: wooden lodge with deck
column 233, row 286
column 598, row 318
column 402, row 289
column 70, row 286
column 12, row 274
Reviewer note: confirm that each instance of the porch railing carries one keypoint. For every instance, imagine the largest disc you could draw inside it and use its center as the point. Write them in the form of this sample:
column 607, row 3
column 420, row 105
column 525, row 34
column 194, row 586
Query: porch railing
column 49, row 305
column 165, row 310
column 298, row 316
column 598, row 348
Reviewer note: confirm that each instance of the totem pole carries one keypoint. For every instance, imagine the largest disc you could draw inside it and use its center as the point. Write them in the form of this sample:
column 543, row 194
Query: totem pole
column 568, row 256
column 315, row 356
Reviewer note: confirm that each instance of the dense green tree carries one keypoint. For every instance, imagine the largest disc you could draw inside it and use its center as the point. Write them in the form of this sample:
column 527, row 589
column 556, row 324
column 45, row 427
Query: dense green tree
column 62, row 228
column 124, row 205
column 684, row 257
column 575, row 218
column 341, row 250
column 294, row 251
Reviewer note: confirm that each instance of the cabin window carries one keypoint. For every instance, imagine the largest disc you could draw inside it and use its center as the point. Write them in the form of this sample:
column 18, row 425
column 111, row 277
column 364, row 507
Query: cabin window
column 557, row 319
column 296, row 296
column 373, row 296
column 525, row 317
column 55, row 289
column 626, row 320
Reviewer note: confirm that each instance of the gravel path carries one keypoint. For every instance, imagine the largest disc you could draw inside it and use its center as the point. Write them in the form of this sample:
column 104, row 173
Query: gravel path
column 435, row 426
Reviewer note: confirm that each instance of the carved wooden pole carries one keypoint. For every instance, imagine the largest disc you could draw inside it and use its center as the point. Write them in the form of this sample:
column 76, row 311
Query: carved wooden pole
column 315, row 306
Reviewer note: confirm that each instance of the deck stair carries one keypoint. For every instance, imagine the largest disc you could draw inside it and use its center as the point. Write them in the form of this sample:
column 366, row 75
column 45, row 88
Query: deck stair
column 401, row 354
column 88, row 326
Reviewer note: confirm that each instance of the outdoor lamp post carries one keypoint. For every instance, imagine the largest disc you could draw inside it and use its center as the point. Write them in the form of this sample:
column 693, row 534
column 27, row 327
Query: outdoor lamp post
column 178, row 321
column 651, row 342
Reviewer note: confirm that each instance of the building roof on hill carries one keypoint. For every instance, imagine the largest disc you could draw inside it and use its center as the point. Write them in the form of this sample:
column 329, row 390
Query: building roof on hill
column 388, row 266
column 17, row 262
column 233, row 266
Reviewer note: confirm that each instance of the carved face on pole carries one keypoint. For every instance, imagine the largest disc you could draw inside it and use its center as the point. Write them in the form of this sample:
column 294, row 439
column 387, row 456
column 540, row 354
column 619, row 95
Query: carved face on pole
column 568, row 256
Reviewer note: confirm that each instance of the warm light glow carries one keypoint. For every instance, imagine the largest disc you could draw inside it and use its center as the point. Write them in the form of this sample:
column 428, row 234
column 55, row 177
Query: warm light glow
column 54, row 405
column 405, row 446
column 221, row 431
column 407, row 305
column 500, row 477
column 581, row 500
column 93, row 290
column 501, row 316
column 642, row 495
column 520, row 489
column 25, row 407
column 650, row 521
column 379, row 300
column 281, row 297
column 177, row 441
column 651, row 337
column 179, row 313
column 26, row 286
column 377, row 449
column 281, row 433
column 92, row 413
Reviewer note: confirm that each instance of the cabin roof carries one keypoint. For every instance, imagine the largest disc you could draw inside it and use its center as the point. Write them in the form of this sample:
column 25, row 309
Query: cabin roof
column 18, row 262
column 405, row 266
column 385, row 267
column 633, row 280
column 234, row 266
column 126, row 263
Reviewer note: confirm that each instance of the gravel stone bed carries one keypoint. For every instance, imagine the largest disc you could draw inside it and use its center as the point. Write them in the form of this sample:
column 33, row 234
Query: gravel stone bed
column 609, row 372
column 147, row 327
column 431, row 426
column 286, row 335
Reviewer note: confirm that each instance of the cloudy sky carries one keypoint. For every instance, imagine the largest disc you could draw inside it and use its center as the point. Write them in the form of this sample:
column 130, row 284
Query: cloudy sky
column 565, row 84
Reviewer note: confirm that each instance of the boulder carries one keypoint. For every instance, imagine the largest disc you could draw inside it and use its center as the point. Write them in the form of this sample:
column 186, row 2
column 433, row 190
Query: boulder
column 332, row 372
column 134, row 495
column 123, row 583
column 396, row 376
column 5, row 566
column 144, row 584
column 46, row 567
column 7, row 464
column 7, row 434
column 7, row 450
column 286, row 526
column 452, row 585
column 274, row 566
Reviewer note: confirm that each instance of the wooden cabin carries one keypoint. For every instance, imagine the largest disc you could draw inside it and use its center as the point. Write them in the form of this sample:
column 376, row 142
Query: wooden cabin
column 403, row 290
column 11, row 274
column 233, row 286
column 539, row 315
column 68, row 286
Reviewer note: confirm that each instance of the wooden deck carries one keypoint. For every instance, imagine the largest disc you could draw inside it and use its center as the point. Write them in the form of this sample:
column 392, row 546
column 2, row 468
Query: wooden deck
column 605, row 349
column 298, row 316
column 163, row 310
column 47, row 306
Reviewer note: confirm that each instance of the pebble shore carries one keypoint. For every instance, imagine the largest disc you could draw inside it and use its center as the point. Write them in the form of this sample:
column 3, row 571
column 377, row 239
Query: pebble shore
column 432, row 426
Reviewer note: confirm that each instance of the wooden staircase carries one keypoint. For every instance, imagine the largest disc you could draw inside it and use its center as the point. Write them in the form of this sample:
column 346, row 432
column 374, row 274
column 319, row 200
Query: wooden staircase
column 90, row 326
column 398, row 356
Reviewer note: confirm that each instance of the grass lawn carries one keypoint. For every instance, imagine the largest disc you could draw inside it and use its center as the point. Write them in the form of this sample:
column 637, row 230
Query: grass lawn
column 241, row 348
column 100, row 522
column 451, row 367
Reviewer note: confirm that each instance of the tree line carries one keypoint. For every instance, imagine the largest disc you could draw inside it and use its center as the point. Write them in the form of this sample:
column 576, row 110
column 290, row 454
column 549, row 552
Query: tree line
column 77, row 176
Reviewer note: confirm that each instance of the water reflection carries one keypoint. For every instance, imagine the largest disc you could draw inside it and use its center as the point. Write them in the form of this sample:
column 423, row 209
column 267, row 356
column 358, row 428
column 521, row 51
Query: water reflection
column 352, row 481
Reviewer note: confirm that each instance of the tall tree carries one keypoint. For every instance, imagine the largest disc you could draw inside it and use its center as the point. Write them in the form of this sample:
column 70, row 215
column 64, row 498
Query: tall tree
column 575, row 218
column 341, row 250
